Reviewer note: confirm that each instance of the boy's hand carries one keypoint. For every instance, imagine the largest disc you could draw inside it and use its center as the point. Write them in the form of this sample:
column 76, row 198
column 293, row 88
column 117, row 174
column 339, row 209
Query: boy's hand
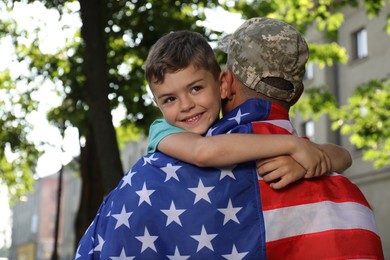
column 307, row 161
column 280, row 171
column 312, row 158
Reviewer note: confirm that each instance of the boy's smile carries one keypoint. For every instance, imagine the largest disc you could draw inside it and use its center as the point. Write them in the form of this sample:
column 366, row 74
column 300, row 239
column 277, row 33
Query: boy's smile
column 189, row 99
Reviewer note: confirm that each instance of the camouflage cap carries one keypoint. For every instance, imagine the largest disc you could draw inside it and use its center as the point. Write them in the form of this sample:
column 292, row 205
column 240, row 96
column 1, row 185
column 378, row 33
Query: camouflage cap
column 265, row 47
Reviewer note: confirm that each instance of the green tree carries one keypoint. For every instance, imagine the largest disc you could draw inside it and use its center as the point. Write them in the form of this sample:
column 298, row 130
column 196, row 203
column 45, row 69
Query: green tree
column 315, row 102
column 15, row 173
column 100, row 68
column 365, row 118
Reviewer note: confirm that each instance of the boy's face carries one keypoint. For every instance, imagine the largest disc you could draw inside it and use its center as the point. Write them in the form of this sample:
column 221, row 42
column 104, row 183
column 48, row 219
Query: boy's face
column 189, row 99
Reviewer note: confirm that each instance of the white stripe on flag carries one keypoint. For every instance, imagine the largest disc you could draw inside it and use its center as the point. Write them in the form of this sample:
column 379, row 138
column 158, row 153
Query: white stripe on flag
column 316, row 217
column 283, row 124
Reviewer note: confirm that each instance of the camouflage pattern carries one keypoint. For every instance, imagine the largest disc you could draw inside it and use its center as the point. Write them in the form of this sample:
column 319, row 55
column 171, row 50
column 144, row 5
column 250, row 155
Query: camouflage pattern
column 265, row 47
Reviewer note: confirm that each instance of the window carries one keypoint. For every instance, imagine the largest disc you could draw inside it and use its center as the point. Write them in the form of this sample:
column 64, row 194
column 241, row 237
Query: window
column 308, row 129
column 34, row 223
column 309, row 73
column 359, row 44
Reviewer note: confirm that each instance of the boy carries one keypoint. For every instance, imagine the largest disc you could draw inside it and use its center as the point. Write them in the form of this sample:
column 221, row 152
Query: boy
column 187, row 85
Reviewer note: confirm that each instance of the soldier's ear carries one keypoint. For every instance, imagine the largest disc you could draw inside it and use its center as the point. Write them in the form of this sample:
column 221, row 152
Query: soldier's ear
column 223, row 85
column 227, row 88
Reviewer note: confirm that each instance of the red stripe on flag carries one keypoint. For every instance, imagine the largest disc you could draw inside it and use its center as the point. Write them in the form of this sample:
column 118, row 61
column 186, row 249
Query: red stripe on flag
column 327, row 188
column 278, row 112
column 335, row 244
column 352, row 243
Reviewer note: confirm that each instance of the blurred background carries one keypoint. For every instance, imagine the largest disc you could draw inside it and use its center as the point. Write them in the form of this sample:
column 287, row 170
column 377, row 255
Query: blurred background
column 75, row 108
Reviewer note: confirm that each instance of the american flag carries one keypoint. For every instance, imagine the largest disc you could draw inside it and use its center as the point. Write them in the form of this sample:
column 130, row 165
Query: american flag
column 166, row 209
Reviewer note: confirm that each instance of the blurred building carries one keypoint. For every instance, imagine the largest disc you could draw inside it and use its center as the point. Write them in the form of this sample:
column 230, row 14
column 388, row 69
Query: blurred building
column 33, row 219
column 132, row 152
column 33, row 227
column 368, row 48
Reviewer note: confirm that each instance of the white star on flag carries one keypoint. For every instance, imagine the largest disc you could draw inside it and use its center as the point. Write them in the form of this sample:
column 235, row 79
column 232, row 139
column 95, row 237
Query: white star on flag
column 204, row 239
column 122, row 218
column 227, row 172
column 147, row 241
column 235, row 255
column 100, row 244
column 210, row 131
column 127, row 179
column 238, row 116
column 170, row 170
column 122, row 256
column 201, row 192
column 230, row 213
column 77, row 253
column 177, row 255
column 173, row 214
column 144, row 195
column 149, row 159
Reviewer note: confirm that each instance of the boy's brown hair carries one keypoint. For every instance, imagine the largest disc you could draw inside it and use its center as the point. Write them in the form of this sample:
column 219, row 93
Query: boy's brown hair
column 176, row 51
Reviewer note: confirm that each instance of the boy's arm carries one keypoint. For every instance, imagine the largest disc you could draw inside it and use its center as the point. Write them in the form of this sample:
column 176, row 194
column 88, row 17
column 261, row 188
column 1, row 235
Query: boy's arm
column 228, row 149
column 340, row 157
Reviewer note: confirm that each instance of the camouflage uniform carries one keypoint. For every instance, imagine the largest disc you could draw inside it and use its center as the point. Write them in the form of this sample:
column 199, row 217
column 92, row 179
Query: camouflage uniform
column 265, row 47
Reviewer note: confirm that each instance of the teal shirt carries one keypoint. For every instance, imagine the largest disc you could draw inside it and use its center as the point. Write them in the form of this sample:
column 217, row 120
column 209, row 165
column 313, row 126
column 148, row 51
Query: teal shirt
column 160, row 129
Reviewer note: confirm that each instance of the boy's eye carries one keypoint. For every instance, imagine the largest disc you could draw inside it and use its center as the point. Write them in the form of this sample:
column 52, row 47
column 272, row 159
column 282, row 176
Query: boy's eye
column 196, row 89
column 168, row 100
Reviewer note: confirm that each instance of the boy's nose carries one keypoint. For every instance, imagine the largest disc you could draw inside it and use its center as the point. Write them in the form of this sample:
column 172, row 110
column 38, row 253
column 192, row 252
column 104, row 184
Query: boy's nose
column 187, row 103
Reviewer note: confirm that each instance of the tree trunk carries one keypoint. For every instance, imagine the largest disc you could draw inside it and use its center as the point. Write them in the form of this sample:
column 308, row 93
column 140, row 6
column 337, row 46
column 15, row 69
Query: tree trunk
column 97, row 92
column 92, row 190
